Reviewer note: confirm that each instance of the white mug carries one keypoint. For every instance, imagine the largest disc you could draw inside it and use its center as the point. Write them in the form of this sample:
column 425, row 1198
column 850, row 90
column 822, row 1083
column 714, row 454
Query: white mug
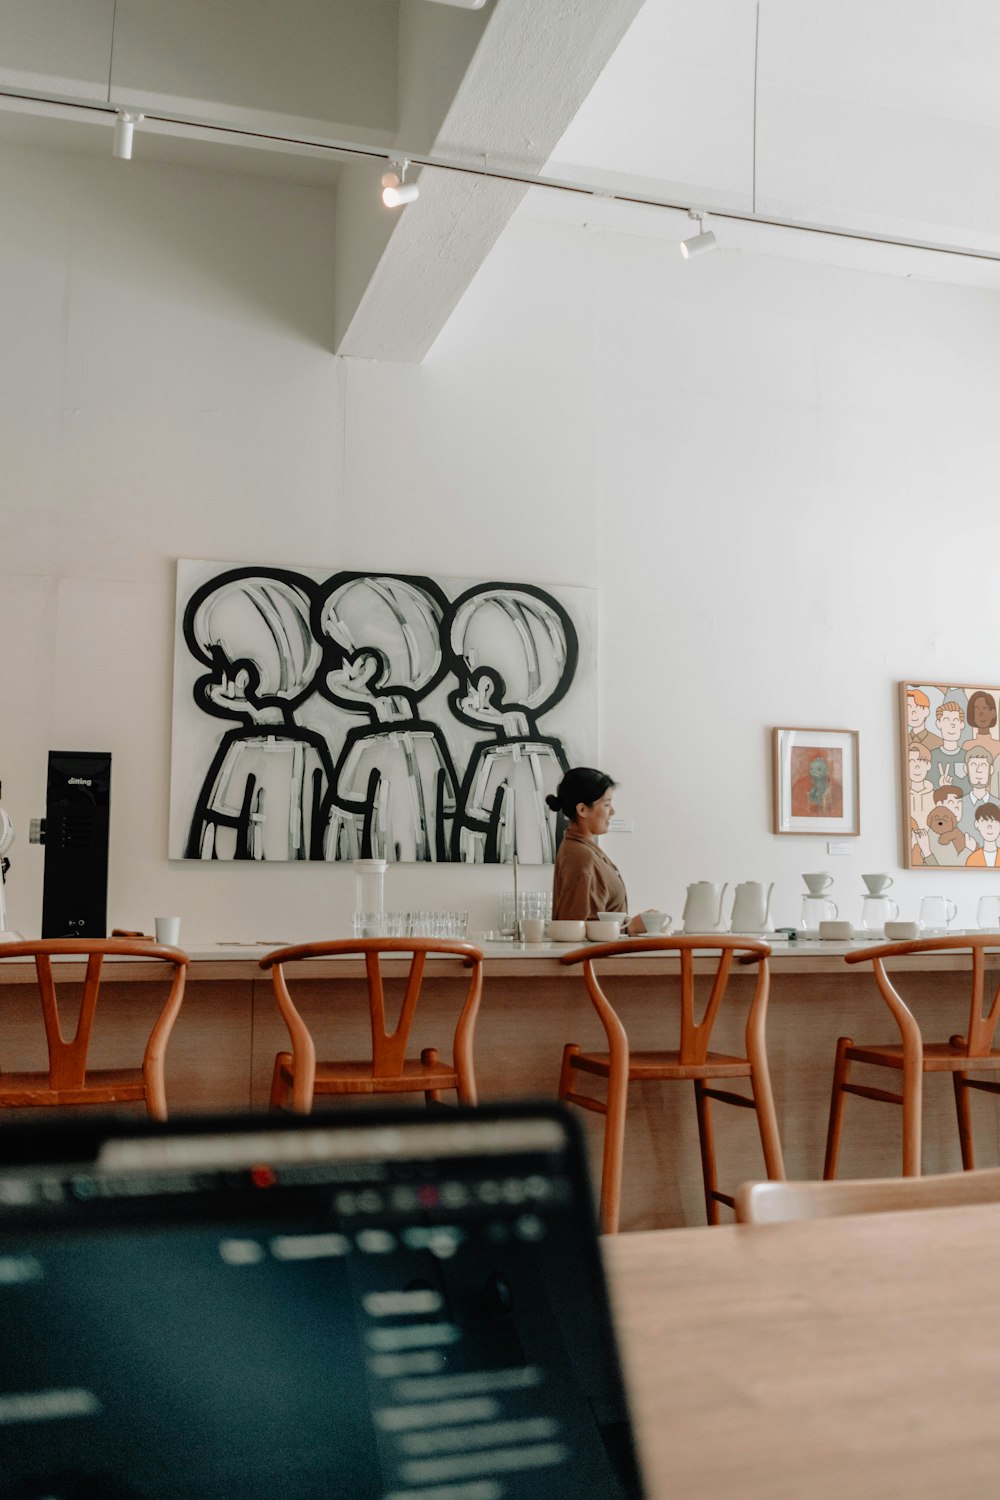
column 168, row 931
column 937, row 912
column 533, row 929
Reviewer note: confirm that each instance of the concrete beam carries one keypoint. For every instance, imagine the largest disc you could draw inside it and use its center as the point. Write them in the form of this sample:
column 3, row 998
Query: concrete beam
column 527, row 69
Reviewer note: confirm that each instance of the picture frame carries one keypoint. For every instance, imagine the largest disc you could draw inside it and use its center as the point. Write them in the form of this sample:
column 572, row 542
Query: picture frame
column 816, row 781
column 949, row 754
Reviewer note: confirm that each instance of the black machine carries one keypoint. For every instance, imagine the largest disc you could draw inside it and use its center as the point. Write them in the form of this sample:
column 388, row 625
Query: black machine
column 75, row 835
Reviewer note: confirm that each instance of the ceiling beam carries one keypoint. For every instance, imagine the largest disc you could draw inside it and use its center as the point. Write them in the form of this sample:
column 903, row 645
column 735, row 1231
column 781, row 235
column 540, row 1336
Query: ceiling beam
column 398, row 275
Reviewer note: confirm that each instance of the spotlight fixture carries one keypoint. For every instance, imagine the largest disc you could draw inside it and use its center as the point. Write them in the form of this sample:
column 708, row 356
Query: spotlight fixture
column 125, row 122
column 700, row 242
column 463, row 4
column 395, row 189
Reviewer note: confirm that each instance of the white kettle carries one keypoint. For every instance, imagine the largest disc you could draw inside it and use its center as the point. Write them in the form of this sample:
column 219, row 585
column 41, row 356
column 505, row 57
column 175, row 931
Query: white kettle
column 752, row 907
column 703, row 907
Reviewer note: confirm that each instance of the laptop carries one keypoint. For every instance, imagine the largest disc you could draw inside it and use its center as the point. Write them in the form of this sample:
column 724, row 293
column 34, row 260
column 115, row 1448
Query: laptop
column 374, row 1306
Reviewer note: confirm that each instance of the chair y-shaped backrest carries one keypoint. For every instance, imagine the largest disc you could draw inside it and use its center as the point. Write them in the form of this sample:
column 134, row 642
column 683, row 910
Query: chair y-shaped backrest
column 695, row 1035
column 388, row 1046
column 982, row 1026
column 68, row 1058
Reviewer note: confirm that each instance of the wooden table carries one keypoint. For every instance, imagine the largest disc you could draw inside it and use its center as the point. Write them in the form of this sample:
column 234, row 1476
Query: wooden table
column 855, row 1357
column 223, row 1047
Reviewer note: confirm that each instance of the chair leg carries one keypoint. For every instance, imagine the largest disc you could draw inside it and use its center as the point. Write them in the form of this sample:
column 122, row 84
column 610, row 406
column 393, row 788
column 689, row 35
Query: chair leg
column 279, row 1090
column 706, row 1137
column 570, row 1051
column 841, row 1068
column 614, row 1151
column 964, row 1113
column 429, row 1057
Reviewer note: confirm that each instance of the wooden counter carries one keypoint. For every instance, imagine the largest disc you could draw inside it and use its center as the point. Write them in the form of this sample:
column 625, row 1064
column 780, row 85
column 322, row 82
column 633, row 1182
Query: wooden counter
column 223, row 1048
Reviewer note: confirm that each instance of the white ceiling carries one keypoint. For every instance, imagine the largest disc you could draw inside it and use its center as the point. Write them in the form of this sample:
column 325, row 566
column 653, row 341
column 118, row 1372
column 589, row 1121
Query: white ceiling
column 875, row 116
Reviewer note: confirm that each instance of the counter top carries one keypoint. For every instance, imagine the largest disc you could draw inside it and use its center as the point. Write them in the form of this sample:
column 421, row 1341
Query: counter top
column 227, row 960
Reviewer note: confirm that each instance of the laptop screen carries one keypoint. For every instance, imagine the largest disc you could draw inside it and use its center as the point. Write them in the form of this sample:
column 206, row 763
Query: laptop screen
column 380, row 1308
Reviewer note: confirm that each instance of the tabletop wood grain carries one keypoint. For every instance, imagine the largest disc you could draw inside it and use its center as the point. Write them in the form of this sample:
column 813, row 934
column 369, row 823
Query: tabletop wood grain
column 843, row 1357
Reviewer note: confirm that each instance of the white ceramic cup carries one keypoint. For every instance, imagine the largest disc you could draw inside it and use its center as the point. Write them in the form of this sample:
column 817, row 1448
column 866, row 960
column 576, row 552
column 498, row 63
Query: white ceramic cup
column 877, row 883
column 818, row 883
column 655, row 921
column 168, row 931
column 566, row 931
column 902, row 932
column 605, row 932
column 533, row 929
column 835, row 931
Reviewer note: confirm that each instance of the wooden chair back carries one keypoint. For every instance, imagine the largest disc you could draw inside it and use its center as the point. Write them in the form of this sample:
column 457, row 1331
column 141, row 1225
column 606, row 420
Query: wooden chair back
column 786, row 1202
column 695, row 1035
column 981, row 1029
column 388, row 1044
column 67, row 1082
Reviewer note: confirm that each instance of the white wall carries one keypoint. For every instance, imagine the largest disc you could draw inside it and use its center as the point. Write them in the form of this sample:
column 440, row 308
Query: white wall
column 775, row 473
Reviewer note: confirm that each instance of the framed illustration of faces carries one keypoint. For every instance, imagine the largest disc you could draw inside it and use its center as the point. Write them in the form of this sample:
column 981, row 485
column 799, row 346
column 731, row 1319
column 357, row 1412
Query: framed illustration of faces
column 950, row 752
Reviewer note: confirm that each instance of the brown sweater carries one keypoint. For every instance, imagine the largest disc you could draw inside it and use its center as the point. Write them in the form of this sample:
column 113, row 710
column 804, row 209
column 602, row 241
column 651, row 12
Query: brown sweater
column 584, row 881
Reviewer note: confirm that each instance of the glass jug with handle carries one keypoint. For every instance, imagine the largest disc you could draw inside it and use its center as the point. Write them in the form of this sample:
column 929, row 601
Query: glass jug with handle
column 988, row 913
column 817, row 909
column 937, row 913
column 876, row 911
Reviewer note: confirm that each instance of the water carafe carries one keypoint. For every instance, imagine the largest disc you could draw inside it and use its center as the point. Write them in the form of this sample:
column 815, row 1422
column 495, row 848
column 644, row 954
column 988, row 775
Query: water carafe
column 369, row 898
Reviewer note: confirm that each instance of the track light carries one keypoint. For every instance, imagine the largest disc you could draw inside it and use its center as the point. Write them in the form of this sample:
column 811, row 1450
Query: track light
column 700, row 242
column 464, row 4
column 125, row 122
column 395, row 189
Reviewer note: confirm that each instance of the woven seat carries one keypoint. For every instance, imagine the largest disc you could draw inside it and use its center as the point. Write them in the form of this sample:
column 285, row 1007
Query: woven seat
column 913, row 1057
column 298, row 1076
column 69, row 1081
column 692, row 1060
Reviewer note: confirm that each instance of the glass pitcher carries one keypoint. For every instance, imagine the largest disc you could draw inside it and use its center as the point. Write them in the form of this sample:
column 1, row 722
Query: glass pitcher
column 876, row 911
column 817, row 909
column 937, row 913
column 988, row 913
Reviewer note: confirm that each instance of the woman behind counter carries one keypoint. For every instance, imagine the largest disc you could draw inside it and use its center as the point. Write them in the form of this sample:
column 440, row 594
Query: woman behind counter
column 585, row 880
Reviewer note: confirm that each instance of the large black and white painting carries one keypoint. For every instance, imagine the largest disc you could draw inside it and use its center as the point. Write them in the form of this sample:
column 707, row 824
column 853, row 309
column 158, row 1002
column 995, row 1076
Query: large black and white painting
column 341, row 715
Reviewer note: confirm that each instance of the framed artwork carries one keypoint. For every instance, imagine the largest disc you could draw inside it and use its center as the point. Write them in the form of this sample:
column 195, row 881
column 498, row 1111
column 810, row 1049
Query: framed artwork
column 950, row 762
column 324, row 714
column 816, row 781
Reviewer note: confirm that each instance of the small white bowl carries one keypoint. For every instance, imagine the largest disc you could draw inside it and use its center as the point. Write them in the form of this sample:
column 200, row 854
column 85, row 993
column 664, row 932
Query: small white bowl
column 567, row 932
column 902, row 932
column 604, row 932
column 836, row 931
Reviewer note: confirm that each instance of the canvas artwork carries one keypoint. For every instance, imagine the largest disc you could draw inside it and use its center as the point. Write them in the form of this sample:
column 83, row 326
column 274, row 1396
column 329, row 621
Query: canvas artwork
column 950, row 751
column 324, row 715
column 815, row 781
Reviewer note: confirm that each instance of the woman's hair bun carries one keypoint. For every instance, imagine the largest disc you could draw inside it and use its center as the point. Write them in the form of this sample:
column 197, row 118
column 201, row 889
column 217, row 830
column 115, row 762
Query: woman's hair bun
column 581, row 784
